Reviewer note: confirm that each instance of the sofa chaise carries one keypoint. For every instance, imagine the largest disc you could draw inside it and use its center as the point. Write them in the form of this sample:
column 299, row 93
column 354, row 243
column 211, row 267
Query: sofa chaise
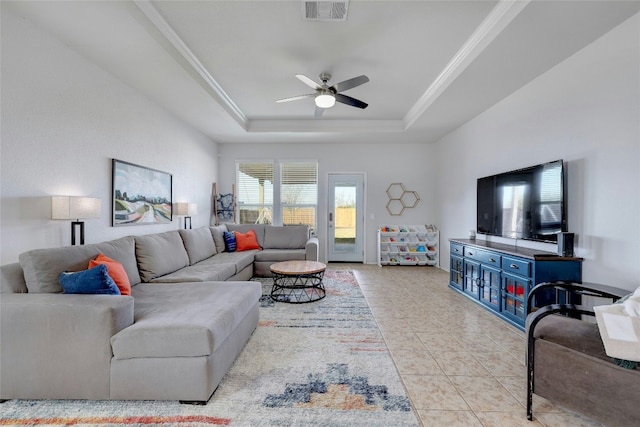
column 190, row 312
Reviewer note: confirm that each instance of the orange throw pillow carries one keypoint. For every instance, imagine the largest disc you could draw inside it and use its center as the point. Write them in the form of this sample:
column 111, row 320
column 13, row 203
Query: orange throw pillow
column 246, row 241
column 116, row 271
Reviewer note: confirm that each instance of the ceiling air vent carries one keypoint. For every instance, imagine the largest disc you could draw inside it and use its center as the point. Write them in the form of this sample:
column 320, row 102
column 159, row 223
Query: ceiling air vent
column 325, row 10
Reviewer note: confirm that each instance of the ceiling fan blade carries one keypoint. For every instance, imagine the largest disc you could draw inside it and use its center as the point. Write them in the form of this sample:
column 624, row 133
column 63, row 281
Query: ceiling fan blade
column 350, row 101
column 296, row 98
column 318, row 112
column 351, row 83
column 309, row 82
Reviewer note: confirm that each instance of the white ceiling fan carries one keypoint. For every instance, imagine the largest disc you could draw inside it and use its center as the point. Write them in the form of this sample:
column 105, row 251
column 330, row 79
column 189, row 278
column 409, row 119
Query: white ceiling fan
column 326, row 96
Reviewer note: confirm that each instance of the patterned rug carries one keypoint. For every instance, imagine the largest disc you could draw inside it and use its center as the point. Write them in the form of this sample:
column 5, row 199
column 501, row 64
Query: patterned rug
column 318, row 364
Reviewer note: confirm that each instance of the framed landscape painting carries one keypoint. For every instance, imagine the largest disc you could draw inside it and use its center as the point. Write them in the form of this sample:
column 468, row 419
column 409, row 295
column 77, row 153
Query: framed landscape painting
column 141, row 195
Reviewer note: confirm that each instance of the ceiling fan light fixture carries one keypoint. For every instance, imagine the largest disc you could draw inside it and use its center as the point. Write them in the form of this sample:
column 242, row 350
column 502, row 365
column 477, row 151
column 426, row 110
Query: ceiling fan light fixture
column 325, row 100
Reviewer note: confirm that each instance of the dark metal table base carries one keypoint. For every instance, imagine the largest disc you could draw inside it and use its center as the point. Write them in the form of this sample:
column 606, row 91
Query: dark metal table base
column 298, row 288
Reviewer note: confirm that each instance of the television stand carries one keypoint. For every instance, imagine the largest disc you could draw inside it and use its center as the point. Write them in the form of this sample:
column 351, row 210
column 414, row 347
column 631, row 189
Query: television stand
column 499, row 277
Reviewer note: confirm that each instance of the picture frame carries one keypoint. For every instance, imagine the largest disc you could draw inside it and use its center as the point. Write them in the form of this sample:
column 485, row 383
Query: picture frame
column 140, row 195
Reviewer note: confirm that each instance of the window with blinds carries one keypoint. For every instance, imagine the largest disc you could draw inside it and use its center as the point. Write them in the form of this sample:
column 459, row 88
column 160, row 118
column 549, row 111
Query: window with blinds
column 254, row 192
column 299, row 193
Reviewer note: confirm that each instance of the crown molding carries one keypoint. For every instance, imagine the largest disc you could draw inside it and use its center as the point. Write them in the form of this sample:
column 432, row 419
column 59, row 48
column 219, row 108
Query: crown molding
column 501, row 16
column 212, row 85
column 315, row 125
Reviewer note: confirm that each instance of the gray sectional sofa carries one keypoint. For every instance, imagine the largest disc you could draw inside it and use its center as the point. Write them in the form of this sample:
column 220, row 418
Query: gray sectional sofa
column 190, row 313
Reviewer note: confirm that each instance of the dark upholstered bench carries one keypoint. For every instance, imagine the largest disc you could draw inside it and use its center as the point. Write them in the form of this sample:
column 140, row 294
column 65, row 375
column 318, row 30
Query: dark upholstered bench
column 567, row 363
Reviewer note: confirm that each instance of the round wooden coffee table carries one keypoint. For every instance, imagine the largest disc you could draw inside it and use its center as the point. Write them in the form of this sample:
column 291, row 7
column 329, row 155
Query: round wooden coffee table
column 298, row 282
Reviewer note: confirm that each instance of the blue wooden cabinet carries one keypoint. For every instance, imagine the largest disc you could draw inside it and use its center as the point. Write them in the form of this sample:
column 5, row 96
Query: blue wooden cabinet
column 499, row 276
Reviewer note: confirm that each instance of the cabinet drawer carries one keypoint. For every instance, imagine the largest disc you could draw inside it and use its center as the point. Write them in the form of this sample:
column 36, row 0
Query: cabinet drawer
column 486, row 258
column 456, row 249
column 518, row 266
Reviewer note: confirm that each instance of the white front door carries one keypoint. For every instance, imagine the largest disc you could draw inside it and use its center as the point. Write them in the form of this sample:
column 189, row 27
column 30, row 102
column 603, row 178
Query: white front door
column 346, row 217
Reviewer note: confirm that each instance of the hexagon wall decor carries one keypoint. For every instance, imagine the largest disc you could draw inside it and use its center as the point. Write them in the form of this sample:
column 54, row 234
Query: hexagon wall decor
column 400, row 199
column 394, row 207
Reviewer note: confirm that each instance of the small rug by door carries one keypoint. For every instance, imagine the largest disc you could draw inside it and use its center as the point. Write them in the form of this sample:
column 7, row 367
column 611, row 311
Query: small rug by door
column 318, row 364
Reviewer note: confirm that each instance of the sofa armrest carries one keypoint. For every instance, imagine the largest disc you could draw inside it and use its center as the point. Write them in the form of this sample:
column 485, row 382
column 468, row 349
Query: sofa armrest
column 57, row 346
column 584, row 288
column 12, row 279
column 311, row 249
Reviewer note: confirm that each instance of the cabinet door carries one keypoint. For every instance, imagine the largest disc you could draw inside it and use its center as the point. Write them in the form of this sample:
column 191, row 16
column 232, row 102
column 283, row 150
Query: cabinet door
column 471, row 278
column 514, row 293
column 456, row 272
column 489, row 292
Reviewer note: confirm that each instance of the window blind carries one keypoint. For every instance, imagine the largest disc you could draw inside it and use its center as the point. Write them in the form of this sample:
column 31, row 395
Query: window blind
column 254, row 192
column 299, row 193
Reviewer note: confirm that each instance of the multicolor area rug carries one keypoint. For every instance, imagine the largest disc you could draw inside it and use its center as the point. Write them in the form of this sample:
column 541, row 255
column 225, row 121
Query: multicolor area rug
column 318, row 364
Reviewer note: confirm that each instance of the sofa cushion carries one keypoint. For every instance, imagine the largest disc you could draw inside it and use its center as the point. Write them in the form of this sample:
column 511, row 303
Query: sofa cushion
column 95, row 280
column 184, row 319
column 218, row 236
column 200, row 272
column 42, row 267
column 240, row 260
column 223, row 266
column 160, row 254
column 116, row 271
column 276, row 255
column 575, row 334
column 12, row 279
column 198, row 243
column 246, row 241
column 285, row 237
column 243, row 228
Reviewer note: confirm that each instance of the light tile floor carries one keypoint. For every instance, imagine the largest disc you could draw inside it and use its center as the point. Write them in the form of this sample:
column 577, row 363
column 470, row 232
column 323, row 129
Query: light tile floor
column 460, row 364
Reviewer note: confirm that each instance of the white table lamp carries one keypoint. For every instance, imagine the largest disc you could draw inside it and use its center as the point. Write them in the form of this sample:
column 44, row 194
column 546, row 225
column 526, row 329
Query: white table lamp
column 75, row 208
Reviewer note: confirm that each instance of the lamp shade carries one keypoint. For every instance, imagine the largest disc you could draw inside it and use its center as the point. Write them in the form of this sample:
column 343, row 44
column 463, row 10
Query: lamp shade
column 185, row 209
column 68, row 207
column 325, row 100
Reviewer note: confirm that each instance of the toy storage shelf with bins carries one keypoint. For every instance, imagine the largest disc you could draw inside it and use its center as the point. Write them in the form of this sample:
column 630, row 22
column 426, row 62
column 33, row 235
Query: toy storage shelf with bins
column 408, row 245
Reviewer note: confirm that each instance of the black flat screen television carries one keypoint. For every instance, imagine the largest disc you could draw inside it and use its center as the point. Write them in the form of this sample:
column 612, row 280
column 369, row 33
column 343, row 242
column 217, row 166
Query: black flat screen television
column 526, row 203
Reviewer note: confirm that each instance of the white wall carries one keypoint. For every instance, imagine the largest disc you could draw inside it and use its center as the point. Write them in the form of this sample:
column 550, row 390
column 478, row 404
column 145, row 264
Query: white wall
column 63, row 119
column 409, row 164
column 586, row 111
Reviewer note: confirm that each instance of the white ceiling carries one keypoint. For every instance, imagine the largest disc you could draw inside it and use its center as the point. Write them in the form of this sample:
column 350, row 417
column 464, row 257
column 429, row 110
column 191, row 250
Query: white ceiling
column 432, row 65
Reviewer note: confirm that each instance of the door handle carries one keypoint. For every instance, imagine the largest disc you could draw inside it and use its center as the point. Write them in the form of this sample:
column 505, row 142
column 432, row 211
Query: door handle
column 330, row 219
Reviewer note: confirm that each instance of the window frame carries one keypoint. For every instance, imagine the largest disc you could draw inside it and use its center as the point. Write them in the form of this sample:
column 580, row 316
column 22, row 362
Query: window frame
column 278, row 205
column 310, row 172
column 264, row 209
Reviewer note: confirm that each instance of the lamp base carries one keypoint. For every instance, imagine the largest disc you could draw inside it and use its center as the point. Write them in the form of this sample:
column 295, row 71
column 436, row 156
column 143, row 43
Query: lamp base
column 74, row 225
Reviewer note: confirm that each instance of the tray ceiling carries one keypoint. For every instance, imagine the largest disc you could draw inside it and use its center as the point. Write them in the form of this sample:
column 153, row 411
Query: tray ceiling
column 220, row 65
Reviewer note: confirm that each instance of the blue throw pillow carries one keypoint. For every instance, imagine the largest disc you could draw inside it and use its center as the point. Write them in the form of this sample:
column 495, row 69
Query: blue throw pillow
column 230, row 241
column 95, row 280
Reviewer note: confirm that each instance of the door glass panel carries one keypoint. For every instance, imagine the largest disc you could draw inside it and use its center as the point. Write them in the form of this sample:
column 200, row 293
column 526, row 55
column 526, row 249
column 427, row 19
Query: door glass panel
column 519, row 309
column 508, row 304
column 345, row 231
column 509, row 287
column 495, row 295
column 494, row 281
column 345, row 218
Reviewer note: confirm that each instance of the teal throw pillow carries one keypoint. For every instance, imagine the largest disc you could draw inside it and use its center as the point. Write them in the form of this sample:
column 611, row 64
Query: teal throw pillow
column 95, row 280
column 230, row 241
